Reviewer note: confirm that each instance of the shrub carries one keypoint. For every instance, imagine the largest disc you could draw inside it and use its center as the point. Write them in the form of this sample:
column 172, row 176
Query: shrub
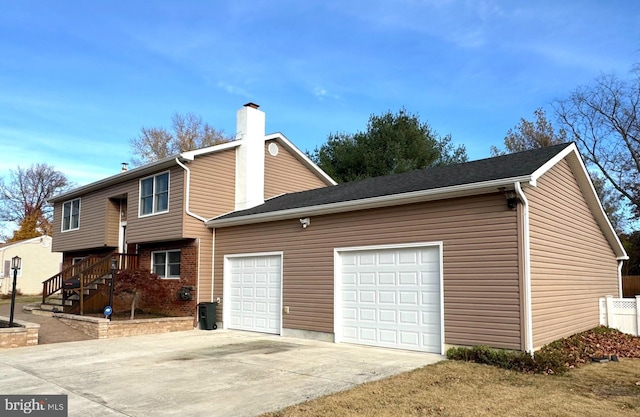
column 141, row 283
column 544, row 362
column 556, row 357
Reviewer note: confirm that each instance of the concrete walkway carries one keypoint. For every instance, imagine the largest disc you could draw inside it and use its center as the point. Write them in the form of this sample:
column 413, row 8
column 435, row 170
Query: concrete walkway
column 195, row 373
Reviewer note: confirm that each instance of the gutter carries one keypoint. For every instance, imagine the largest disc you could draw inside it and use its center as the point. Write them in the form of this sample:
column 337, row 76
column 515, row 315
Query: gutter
column 367, row 203
column 528, row 316
column 187, row 192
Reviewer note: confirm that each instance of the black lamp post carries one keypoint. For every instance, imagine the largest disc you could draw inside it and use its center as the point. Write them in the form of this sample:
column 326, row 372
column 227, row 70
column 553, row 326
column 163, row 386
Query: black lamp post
column 16, row 263
column 114, row 267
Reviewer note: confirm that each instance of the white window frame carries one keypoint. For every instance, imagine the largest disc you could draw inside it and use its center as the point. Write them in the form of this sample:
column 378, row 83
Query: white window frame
column 154, row 194
column 64, row 210
column 166, row 263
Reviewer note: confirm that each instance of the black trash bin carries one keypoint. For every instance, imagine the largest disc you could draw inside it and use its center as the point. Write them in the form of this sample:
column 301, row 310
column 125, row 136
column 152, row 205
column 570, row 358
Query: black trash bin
column 207, row 316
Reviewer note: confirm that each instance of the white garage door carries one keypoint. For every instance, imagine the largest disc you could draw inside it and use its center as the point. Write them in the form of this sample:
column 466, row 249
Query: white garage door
column 391, row 298
column 254, row 294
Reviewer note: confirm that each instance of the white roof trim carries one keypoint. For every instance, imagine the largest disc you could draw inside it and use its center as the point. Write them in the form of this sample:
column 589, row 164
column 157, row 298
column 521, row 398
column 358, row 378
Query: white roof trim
column 190, row 155
column 300, row 155
column 572, row 155
column 23, row 242
column 117, row 178
column 553, row 161
column 374, row 202
column 143, row 170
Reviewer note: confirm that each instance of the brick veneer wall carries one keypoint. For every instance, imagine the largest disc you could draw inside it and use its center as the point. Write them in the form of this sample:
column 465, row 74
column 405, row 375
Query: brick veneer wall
column 100, row 328
column 26, row 335
column 188, row 278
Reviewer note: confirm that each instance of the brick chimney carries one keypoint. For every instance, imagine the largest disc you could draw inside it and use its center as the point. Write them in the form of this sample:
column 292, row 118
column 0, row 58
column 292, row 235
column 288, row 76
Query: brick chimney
column 250, row 131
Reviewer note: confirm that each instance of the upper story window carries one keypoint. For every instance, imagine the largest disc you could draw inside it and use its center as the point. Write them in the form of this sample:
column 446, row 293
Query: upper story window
column 154, row 194
column 166, row 264
column 71, row 215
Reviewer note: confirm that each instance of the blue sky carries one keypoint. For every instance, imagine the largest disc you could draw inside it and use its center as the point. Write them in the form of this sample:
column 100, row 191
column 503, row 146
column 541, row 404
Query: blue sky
column 78, row 79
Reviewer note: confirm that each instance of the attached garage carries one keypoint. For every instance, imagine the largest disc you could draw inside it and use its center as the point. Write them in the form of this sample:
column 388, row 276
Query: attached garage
column 254, row 293
column 487, row 252
column 390, row 297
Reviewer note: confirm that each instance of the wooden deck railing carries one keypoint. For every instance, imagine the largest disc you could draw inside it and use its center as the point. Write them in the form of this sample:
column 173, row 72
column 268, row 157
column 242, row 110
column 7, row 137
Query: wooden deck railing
column 88, row 270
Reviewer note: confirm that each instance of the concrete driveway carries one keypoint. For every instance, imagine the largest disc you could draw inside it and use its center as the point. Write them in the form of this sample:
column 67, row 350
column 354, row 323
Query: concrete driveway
column 195, row 373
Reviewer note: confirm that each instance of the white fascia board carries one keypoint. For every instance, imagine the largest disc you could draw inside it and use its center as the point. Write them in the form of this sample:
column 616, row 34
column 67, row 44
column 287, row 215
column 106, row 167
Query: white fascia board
column 141, row 171
column 553, row 162
column 589, row 192
column 23, row 242
column 374, row 202
column 116, row 179
column 300, row 155
column 190, row 155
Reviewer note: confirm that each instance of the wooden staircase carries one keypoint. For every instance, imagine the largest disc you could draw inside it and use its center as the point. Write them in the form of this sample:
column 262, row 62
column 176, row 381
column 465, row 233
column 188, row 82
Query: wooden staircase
column 92, row 276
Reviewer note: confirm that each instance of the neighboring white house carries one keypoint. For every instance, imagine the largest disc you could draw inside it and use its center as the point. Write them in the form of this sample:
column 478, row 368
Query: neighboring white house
column 38, row 264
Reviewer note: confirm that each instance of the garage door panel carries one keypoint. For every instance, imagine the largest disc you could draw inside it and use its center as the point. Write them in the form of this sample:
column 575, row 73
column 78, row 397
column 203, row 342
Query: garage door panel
column 408, row 278
column 255, row 293
column 386, row 278
column 386, row 316
column 410, row 338
column 391, row 298
column 388, row 336
column 408, row 258
column 367, row 279
column 349, row 278
column 368, row 334
column 349, row 313
column 409, row 317
column 367, row 296
column 387, row 297
column 408, row 298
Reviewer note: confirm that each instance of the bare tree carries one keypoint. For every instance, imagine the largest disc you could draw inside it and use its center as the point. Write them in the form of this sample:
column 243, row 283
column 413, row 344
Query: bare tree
column 603, row 119
column 188, row 132
column 531, row 135
column 24, row 198
column 539, row 134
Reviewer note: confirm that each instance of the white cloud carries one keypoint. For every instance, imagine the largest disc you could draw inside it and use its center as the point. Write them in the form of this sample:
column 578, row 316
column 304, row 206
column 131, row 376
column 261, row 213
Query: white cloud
column 234, row 89
column 321, row 93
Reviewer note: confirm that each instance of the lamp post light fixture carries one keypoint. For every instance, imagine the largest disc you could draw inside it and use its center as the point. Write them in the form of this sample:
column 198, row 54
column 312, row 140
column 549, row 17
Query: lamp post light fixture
column 16, row 264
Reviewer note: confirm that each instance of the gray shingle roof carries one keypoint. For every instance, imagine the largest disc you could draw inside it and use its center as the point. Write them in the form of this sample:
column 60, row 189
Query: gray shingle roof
column 502, row 167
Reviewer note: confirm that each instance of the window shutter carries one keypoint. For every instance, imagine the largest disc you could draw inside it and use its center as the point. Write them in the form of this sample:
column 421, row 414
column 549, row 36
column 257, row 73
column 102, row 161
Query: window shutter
column 7, row 267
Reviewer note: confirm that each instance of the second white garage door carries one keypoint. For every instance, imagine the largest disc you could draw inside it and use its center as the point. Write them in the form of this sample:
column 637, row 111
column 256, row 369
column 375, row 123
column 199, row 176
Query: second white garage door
column 391, row 297
column 255, row 293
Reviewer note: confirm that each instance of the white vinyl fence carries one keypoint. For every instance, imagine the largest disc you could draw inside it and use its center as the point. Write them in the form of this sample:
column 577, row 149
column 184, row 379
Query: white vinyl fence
column 621, row 313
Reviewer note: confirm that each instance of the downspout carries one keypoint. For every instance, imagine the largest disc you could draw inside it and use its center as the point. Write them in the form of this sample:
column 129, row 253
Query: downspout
column 195, row 216
column 620, row 262
column 528, row 337
column 186, row 193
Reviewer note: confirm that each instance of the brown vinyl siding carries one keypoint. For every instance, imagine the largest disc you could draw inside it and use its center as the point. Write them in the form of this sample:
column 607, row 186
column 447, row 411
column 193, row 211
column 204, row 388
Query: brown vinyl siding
column 98, row 228
column 99, row 217
column 284, row 173
column 479, row 235
column 572, row 264
column 212, row 192
column 157, row 227
column 112, row 214
column 213, row 183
